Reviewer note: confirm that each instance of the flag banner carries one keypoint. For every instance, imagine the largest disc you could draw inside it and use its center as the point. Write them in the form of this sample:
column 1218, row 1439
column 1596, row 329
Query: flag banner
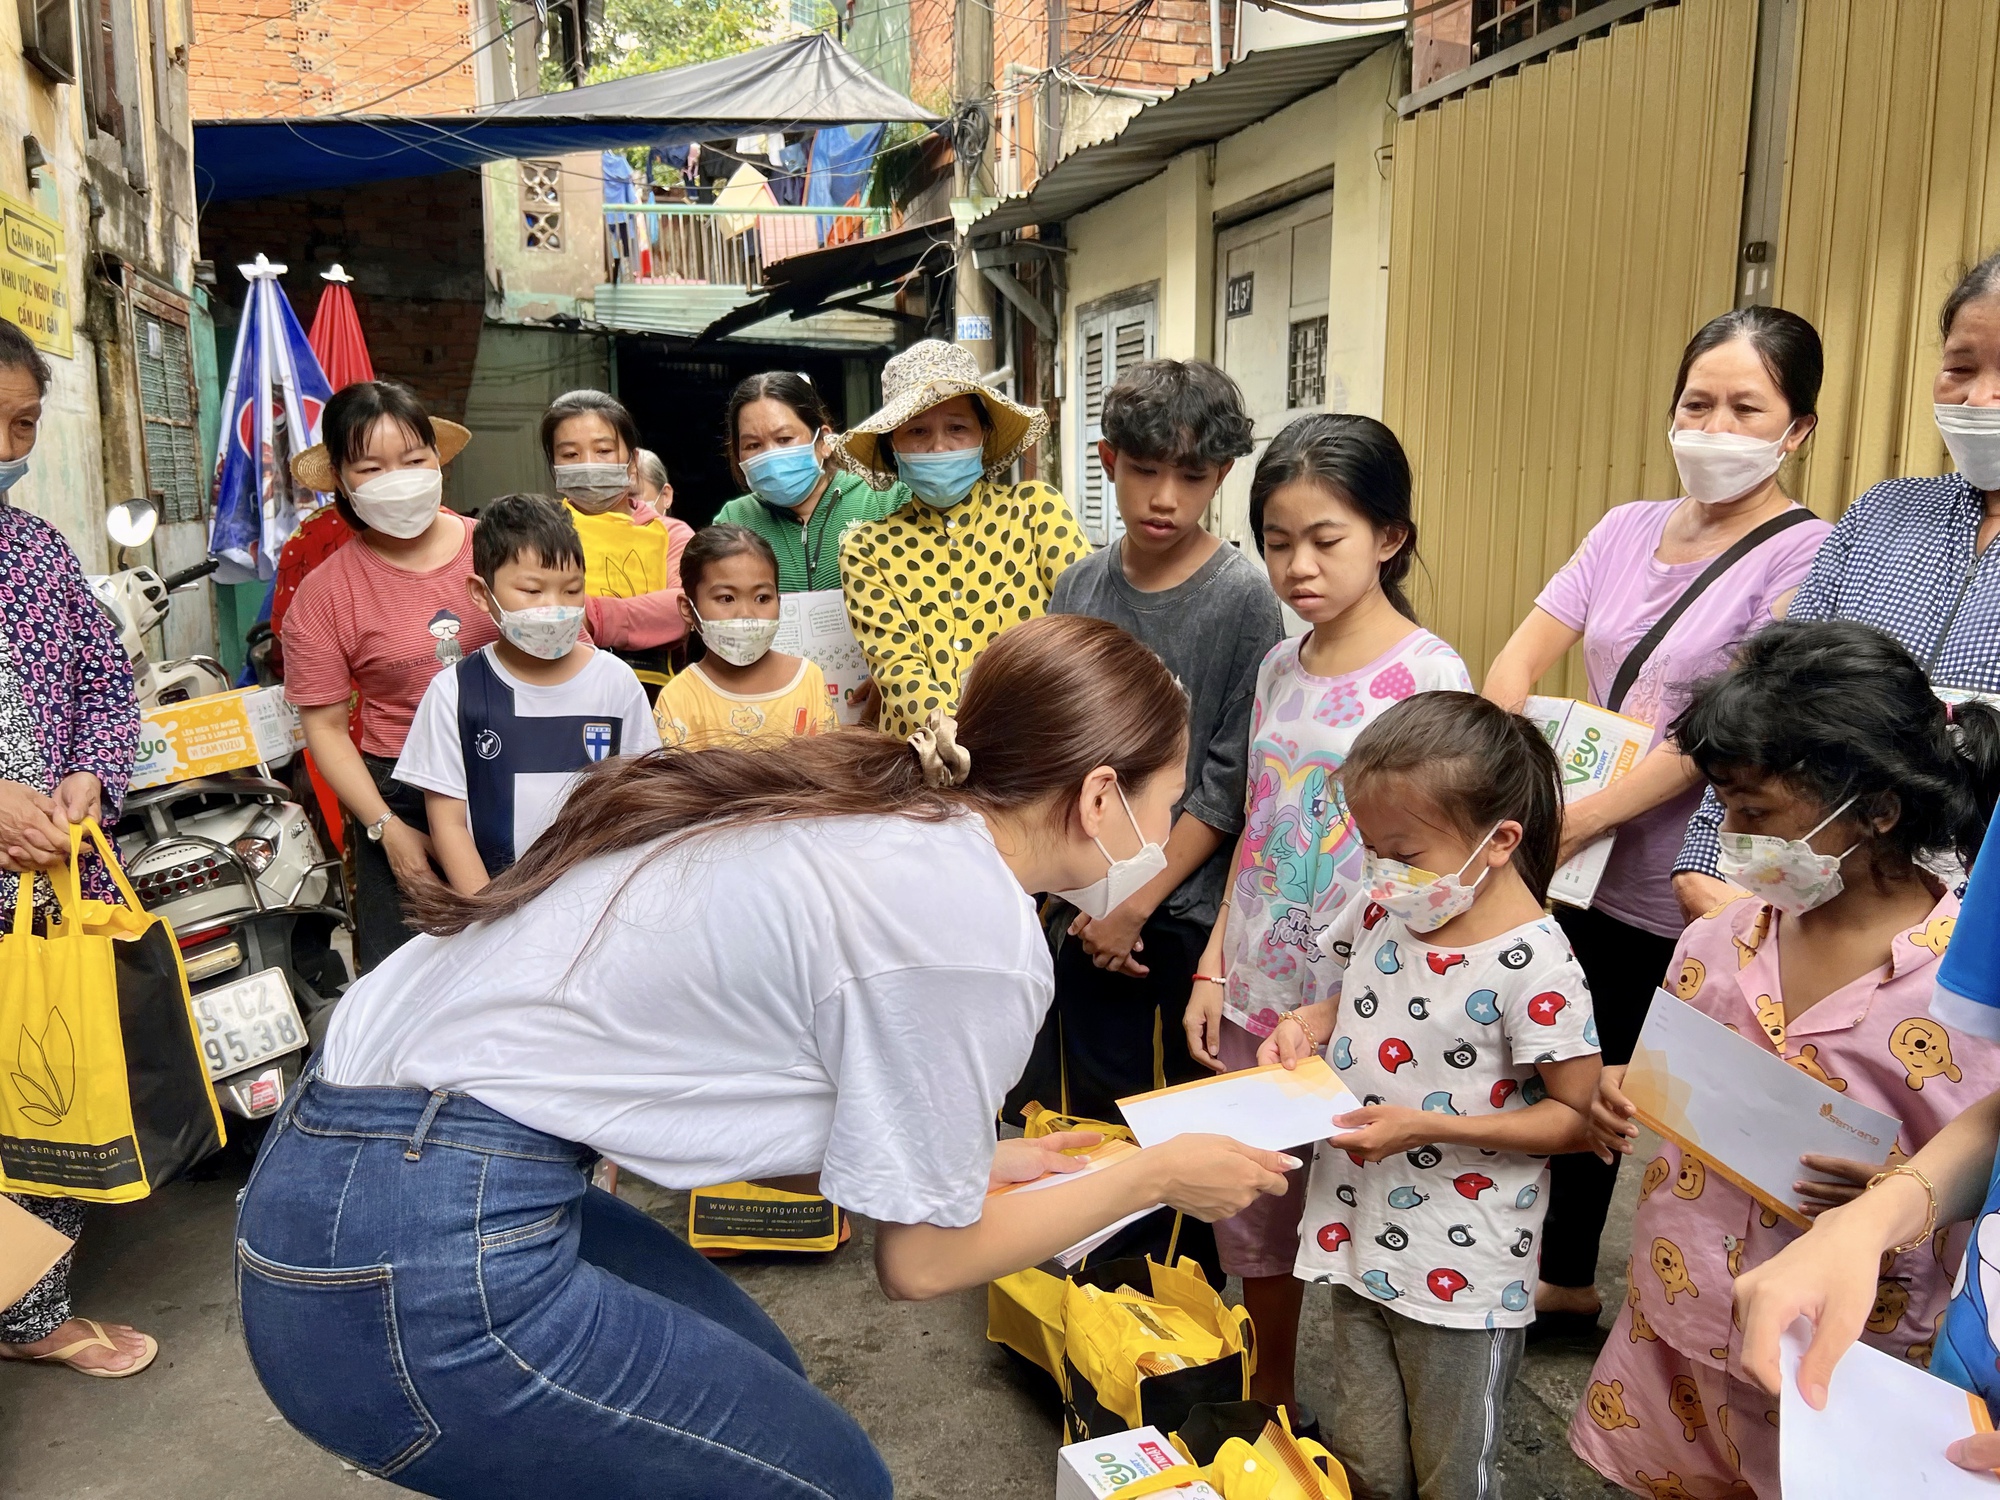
column 271, row 411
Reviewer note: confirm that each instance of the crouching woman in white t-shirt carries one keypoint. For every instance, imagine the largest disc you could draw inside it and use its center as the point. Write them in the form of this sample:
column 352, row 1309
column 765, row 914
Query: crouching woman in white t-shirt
column 814, row 960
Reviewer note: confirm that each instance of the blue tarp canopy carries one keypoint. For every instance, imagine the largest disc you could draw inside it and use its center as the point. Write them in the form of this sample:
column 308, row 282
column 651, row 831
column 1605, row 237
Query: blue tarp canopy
column 800, row 84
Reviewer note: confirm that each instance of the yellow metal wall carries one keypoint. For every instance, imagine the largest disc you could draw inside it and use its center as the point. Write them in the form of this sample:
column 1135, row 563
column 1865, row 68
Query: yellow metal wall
column 1557, row 236
column 1892, row 187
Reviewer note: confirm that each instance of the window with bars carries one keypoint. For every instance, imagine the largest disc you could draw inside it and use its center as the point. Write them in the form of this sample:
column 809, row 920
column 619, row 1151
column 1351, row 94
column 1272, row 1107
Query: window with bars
column 167, row 405
column 1449, row 36
column 541, row 205
column 1109, row 343
column 1305, row 364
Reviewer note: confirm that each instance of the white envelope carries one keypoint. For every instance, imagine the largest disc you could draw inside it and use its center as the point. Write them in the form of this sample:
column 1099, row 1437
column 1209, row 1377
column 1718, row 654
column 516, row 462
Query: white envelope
column 1744, row 1110
column 1272, row 1108
column 1883, row 1433
column 1096, row 1159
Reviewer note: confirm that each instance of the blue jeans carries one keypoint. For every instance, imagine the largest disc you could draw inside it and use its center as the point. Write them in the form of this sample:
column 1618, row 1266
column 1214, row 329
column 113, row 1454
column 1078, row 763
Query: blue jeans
column 434, row 1293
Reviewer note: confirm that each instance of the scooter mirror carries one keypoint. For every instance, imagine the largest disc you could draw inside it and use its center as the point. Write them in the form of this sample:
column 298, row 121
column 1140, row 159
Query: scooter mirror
column 131, row 524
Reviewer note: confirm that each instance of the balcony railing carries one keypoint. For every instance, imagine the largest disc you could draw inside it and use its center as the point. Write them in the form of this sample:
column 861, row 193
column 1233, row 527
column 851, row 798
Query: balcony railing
column 707, row 244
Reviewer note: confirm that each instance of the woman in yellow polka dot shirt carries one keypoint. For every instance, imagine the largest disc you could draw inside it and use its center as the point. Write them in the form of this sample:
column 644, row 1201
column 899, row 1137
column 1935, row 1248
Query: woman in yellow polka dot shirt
column 930, row 586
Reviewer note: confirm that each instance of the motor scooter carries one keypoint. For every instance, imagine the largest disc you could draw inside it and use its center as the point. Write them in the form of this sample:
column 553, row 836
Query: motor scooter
column 233, row 865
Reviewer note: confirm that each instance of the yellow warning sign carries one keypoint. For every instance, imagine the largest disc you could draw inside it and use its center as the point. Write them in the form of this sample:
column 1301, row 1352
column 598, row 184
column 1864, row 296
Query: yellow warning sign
column 34, row 290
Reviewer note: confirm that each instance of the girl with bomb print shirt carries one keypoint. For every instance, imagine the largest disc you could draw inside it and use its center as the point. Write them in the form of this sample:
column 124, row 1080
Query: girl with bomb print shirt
column 1445, row 1234
column 1463, row 1023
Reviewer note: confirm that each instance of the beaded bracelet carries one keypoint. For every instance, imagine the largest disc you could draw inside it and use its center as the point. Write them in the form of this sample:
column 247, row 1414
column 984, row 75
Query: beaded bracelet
column 1299, row 1021
column 1210, row 979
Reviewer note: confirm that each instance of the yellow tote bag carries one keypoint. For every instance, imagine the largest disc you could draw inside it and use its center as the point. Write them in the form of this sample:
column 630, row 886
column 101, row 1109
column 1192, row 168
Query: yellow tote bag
column 103, row 1092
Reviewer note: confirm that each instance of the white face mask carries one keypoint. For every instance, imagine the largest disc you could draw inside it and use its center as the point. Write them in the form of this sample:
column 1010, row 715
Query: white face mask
column 401, row 503
column 1719, row 466
column 1122, row 877
column 1421, row 901
column 592, row 488
column 1972, row 433
column 1788, row 873
column 738, row 642
column 548, row 631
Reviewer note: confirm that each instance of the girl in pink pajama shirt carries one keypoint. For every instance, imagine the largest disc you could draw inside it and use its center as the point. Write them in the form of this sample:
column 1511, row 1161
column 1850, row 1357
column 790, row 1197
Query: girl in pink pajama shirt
column 1850, row 795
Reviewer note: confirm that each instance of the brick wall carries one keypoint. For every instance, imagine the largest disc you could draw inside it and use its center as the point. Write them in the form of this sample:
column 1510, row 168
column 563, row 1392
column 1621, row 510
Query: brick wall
column 1166, row 47
column 414, row 248
column 262, row 58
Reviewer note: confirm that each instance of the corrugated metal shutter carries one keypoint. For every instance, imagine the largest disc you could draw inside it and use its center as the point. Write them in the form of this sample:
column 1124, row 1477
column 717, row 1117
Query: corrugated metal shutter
column 1557, row 236
column 167, row 402
column 1892, row 188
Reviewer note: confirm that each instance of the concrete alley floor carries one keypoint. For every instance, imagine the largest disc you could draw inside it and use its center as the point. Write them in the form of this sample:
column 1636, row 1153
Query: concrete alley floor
column 954, row 1415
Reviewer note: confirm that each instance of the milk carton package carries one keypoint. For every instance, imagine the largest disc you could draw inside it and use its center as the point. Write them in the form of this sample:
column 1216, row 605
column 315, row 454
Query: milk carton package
column 1092, row 1469
column 1594, row 747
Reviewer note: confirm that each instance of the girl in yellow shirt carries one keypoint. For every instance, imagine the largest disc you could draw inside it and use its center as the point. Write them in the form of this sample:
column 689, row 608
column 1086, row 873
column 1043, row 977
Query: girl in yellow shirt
column 741, row 690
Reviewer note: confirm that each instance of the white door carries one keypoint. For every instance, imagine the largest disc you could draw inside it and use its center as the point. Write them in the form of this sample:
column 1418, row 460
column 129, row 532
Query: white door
column 1273, row 277
column 1108, row 343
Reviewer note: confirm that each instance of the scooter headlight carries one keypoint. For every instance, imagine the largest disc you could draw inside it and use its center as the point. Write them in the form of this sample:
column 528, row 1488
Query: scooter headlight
column 256, row 853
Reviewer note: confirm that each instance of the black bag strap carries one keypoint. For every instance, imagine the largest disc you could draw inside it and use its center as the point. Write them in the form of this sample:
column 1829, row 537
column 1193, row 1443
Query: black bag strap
column 1628, row 670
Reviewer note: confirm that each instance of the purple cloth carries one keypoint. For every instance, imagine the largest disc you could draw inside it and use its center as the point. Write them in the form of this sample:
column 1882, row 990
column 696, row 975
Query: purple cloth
column 1613, row 590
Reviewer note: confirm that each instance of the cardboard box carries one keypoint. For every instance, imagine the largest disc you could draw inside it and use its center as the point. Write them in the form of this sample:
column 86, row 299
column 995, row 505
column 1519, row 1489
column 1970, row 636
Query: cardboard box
column 1091, row 1470
column 222, row 732
column 1595, row 748
column 28, row 1247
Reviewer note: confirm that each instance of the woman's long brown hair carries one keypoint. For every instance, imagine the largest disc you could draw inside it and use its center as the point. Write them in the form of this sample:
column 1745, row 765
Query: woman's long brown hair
column 1049, row 702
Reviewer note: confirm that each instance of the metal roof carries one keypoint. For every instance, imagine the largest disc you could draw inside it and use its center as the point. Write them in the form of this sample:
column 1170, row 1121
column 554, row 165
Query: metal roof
column 1243, row 93
column 802, row 284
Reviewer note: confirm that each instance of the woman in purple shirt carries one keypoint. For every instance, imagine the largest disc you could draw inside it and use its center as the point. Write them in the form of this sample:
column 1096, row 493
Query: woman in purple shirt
column 1743, row 401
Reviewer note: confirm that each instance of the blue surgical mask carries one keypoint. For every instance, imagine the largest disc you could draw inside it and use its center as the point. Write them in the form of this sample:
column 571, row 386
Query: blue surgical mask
column 942, row 479
column 12, row 472
column 784, row 477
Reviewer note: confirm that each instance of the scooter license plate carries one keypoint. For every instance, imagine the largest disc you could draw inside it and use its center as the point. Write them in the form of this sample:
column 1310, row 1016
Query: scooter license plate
column 246, row 1022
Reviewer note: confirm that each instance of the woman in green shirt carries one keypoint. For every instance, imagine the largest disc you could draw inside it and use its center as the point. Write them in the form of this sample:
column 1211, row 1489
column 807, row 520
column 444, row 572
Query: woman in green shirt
column 780, row 438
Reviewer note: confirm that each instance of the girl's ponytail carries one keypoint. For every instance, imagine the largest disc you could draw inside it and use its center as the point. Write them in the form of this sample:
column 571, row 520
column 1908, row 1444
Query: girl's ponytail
column 1362, row 460
column 1975, row 730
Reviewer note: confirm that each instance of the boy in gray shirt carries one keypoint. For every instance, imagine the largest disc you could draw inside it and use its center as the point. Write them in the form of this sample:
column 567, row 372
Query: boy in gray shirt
column 1172, row 429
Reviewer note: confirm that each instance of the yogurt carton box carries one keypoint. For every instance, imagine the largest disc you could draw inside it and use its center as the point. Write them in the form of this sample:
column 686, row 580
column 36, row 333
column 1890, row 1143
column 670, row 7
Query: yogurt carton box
column 1092, row 1469
column 1594, row 747
column 218, row 733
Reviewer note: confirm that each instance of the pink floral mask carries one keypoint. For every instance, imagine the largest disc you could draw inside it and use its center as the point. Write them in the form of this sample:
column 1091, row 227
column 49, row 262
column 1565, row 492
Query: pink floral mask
column 1421, row 901
column 1788, row 873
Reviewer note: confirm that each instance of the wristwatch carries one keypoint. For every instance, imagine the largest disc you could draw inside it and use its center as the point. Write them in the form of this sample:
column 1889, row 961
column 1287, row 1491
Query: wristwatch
column 375, row 828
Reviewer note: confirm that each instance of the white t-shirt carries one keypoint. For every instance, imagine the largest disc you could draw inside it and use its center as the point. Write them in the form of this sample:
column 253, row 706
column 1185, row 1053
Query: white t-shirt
column 1444, row 1234
column 848, row 996
column 433, row 757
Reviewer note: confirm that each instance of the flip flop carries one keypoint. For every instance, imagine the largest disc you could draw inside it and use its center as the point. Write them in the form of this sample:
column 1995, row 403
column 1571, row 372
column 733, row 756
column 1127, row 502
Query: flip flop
column 99, row 1340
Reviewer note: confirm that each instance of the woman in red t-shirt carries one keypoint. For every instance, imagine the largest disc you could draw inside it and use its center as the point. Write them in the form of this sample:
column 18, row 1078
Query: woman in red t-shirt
column 384, row 615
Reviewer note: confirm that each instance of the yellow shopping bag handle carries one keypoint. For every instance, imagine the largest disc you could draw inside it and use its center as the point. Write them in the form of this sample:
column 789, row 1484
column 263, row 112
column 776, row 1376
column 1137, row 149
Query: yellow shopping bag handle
column 105, row 852
column 67, row 880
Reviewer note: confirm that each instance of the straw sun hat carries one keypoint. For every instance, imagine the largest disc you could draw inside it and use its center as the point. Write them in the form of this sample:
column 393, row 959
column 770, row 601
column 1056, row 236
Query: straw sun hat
column 314, row 468
column 926, row 375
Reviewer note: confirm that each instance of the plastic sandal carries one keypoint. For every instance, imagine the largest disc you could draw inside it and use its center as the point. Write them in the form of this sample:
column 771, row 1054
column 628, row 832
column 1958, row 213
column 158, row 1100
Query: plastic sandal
column 99, row 1340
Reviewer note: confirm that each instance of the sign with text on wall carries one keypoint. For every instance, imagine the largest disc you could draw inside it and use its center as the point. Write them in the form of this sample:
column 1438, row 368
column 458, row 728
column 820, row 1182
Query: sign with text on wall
column 34, row 291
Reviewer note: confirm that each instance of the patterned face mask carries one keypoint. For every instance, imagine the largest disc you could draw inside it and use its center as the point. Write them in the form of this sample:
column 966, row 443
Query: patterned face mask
column 1788, row 873
column 1421, row 901
column 740, row 641
column 548, row 631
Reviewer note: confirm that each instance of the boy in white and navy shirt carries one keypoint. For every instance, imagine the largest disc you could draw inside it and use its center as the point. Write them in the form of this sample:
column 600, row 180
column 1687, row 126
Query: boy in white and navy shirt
column 500, row 738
